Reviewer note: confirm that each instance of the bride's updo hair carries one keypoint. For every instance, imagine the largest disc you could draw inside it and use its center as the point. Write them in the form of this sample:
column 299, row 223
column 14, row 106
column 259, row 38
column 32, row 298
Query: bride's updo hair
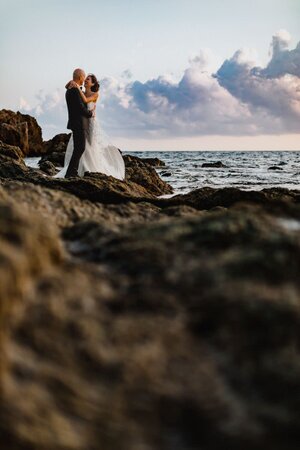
column 96, row 84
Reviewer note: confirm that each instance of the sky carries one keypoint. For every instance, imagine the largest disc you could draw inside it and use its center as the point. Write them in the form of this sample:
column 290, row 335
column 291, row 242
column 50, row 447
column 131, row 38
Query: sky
column 174, row 75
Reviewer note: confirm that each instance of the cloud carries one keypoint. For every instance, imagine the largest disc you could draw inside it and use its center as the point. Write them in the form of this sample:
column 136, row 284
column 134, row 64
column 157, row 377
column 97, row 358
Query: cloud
column 241, row 98
column 283, row 61
column 272, row 94
column 49, row 110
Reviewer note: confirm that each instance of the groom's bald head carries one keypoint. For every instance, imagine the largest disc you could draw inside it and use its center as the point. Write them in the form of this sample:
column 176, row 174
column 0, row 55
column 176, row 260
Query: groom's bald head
column 79, row 76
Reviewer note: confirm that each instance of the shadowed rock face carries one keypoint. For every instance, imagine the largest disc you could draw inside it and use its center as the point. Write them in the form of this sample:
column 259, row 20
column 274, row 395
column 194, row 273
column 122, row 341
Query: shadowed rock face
column 133, row 322
column 58, row 144
column 55, row 158
column 21, row 130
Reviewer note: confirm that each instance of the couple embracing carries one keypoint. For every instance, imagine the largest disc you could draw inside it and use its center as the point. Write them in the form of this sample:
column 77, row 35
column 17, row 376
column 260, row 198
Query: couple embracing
column 89, row 149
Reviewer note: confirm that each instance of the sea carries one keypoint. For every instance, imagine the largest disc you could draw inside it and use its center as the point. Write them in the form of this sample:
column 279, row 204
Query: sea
column 248, row 170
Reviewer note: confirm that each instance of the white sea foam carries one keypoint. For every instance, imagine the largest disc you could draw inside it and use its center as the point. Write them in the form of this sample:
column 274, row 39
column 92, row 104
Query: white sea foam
column 32, row 162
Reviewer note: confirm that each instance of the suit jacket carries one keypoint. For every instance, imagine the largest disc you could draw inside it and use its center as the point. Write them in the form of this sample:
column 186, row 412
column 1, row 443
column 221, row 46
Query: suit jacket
column 77, row 109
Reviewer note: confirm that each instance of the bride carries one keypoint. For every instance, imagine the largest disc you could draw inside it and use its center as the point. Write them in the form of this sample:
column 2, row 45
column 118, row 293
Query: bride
column 99, row 155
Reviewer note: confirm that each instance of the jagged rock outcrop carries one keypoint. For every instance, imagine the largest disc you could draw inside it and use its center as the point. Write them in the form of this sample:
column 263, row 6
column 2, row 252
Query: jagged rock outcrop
column 141, row 172
column 47, row 167
column 21, row 130
column 137, row 171
column 58, row 144
column 8, row 152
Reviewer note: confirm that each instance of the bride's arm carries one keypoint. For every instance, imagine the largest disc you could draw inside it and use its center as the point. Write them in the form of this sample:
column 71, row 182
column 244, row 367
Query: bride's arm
column 93, row 98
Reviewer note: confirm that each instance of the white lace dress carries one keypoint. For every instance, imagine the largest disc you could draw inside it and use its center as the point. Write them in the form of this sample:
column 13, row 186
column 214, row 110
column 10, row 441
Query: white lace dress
column 99, row 155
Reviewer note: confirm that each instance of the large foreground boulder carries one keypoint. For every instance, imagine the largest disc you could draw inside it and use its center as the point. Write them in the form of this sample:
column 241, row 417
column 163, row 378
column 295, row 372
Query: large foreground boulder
column 28, row 248
column 176, row 335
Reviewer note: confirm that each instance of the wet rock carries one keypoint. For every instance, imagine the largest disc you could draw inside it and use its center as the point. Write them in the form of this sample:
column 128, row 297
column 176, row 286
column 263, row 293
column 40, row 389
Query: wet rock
column 217, row 164
column 155, row 162
column 274, row 168
column 166, row 174
column 21, row 130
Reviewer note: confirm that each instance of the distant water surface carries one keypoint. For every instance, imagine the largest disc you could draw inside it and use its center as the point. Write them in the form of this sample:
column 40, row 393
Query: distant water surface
column 244, row 170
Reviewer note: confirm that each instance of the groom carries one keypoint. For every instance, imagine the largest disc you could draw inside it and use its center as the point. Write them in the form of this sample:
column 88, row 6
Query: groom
column 77, row 110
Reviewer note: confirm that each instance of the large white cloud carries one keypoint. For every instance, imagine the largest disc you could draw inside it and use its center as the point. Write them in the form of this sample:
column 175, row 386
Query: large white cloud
column 272, row 94
column 240, row 99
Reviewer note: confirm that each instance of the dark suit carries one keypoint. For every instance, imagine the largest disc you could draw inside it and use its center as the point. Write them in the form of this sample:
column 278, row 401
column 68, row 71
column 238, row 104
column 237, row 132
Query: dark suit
column 77, row 110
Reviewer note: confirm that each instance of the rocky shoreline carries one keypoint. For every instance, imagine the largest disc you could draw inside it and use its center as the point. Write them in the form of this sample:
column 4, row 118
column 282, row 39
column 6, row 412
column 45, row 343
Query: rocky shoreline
column 133, row 322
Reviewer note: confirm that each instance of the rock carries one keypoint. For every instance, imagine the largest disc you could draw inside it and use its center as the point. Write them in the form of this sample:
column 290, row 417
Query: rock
column 274, row 168
column 15, row 135
column 10, row 151
column 217, row 164
column 208, row 198
column 179, row 325
column 144, row 174
column 155, row 162
column 28, row 248
column 48, row 167
column 58, row 144
column 152, row 333
column 11, row 162
column 23, row 131
column 95, row 187
column 64, row 209
column 98, row 187
column 166, row 174
column 56, row 158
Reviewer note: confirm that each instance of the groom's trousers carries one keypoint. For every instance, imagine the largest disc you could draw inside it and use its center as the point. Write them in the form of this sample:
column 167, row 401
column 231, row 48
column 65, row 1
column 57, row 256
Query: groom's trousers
column 79, row 147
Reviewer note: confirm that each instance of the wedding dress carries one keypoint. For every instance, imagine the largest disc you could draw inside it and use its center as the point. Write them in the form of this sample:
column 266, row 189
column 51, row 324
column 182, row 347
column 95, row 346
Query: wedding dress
column 99, row 155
